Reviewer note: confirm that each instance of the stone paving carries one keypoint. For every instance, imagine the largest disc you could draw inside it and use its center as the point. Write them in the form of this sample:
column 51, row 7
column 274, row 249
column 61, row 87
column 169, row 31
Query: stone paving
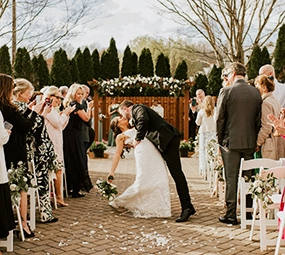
column 90, row 226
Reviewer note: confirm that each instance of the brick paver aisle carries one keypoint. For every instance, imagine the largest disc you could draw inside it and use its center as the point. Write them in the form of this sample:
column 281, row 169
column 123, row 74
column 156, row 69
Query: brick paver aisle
column 90, row 226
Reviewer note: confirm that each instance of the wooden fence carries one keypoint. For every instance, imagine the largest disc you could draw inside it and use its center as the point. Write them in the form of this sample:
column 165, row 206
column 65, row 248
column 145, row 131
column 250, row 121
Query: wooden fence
column 174, row 109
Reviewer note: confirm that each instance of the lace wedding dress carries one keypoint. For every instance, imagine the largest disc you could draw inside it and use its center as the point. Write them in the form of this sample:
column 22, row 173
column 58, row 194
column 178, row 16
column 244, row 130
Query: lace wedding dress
column 149, row 195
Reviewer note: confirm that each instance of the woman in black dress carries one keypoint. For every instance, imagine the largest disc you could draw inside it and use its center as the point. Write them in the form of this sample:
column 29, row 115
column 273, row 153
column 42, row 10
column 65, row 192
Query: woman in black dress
column 73, row 144
column 15, row 149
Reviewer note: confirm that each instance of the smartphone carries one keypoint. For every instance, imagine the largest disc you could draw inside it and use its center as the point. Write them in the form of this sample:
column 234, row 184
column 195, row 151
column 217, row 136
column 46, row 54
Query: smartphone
column 194, row 102
column 48, row 101
column 38, row 99
column 8, row 125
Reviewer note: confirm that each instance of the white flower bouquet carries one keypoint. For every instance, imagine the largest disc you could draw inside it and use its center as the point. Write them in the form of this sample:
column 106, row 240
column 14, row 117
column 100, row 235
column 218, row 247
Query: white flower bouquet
column 263, row 189
column 20, row 179
column 107, row 190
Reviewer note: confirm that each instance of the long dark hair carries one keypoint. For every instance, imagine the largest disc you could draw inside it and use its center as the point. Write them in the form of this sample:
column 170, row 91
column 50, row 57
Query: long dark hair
column 6, row 88
column 117, row 131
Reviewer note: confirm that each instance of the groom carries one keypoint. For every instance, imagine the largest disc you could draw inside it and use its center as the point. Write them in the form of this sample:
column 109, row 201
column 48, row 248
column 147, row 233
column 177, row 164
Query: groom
column 166, row 138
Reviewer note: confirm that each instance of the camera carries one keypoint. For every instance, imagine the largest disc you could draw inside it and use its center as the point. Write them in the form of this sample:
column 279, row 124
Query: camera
column 48, row 101
column 194, row 102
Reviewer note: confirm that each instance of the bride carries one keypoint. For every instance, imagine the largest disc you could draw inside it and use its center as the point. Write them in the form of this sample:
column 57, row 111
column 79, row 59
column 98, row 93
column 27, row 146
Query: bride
column 149, row 195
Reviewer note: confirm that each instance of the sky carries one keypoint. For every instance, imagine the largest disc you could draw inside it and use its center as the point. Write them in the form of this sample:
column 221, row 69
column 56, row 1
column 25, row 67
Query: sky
column 124, row 20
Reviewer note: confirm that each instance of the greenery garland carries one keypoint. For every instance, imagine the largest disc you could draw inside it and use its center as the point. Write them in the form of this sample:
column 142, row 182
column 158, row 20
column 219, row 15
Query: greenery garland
column 142, row 86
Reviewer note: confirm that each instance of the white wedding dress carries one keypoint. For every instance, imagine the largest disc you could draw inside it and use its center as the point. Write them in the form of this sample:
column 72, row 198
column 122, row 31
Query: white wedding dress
column 149, row 195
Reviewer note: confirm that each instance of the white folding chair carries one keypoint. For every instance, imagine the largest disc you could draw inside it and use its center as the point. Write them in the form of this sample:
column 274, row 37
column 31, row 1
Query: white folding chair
column 8, row 243
column 52, row 176
column 281, row 217
column 264, row 222
column 243, row 186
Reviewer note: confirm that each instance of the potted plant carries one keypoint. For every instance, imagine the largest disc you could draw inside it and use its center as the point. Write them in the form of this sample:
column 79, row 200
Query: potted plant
column 98, row 148
column 184, row 148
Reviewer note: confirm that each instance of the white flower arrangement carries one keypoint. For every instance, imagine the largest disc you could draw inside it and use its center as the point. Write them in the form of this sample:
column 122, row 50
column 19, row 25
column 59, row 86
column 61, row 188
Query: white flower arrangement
column 107, row 190
column 121, row 85
column 20, row 179
column 263, row 189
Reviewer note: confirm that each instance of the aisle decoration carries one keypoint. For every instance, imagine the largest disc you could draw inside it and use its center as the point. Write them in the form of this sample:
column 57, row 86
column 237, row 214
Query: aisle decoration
column 263, row 189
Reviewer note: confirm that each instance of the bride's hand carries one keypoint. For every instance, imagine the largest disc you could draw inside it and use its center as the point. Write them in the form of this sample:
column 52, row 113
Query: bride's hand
column 110, row 178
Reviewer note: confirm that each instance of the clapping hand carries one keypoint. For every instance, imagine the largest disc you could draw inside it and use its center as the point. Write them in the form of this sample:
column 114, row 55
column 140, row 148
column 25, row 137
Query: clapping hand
column 278, row 122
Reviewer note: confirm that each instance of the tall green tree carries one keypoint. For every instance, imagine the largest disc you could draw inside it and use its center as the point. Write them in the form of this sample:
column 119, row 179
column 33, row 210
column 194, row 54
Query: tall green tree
column 215, row 82
column 96, row 64
column 23, row 66
column 201, row 82
column 88, row 73
column 41, row 72
column 127, row 64
column 105, row 60
column 265, row 56
column 5, row 63
column 60, row 70
column 134, row 63
column 181, row 71
column 80, row 65
column 162, row 67
column 146, row 63
column 73, row 70
column 279, row 53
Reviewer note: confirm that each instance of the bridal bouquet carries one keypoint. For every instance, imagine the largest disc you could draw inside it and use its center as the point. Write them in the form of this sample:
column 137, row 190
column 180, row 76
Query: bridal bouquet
column 106, row 189
column 19, row 180
column 263, row 189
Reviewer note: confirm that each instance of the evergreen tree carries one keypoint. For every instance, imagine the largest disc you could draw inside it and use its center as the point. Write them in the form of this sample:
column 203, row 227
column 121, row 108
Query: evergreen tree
column 73, row 70
column 127, row 63
column 23, row 66
column 5, row 63
column 96, row 64
column 80, row 65
column 215, row 82
column 254, row 63
column 201, row 82
column 105, row 59
column 146, row 63
column 41, row 73
column 265, row 56
column 181, row 71
column 279, row 53
column 162, row 66
column 60, row 70
column 134, row 63
column 167, row 74
column 88, row 73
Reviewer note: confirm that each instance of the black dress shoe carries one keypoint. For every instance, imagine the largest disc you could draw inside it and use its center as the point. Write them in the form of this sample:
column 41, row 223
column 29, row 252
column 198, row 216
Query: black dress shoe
column 228, row 220
column 78, row 195
column 186, row 214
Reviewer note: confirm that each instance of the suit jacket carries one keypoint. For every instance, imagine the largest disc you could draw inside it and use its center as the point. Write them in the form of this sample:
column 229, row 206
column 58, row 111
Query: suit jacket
column 238, row 115
column 150, row 124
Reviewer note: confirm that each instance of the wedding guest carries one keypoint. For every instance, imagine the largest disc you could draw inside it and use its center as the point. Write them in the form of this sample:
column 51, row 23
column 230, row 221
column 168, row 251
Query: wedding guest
column 207, row 131
column 113, row 112
column 55, row 123
column 144, row 198
column 279, row 90
column 7, row 222
column 39, row 146
column 15, row 149
column 238, row 123
column 271, row 146
column 166, row 138
column 74, row 151
column 157, row 107
column 200, row 96
column 192, row 116
column 63, row 90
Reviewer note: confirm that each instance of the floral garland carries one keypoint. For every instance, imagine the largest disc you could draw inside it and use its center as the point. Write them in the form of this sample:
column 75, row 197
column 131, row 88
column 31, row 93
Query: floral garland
column 120, row 86
column 263, row 189
column 19, row 180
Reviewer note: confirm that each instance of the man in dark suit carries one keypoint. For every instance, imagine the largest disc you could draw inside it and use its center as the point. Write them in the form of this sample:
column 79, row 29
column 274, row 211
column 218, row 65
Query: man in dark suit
column 166, row 138
column 238, row 123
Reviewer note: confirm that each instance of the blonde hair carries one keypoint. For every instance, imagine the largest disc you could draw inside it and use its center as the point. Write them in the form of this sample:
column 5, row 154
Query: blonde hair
column 21, row 85
column 70, row 96
column 209, row 106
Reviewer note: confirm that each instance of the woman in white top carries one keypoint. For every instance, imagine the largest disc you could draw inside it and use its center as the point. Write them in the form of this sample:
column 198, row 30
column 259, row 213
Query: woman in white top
column 207, row 131
column 55, row 123
column 7, row 222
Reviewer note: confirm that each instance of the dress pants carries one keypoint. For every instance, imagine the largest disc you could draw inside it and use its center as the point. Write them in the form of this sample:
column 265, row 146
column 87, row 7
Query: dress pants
column 232, row 160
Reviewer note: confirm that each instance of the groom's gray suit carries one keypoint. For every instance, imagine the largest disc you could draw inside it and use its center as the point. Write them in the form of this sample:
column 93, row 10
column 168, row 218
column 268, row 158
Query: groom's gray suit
column 238, row 123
